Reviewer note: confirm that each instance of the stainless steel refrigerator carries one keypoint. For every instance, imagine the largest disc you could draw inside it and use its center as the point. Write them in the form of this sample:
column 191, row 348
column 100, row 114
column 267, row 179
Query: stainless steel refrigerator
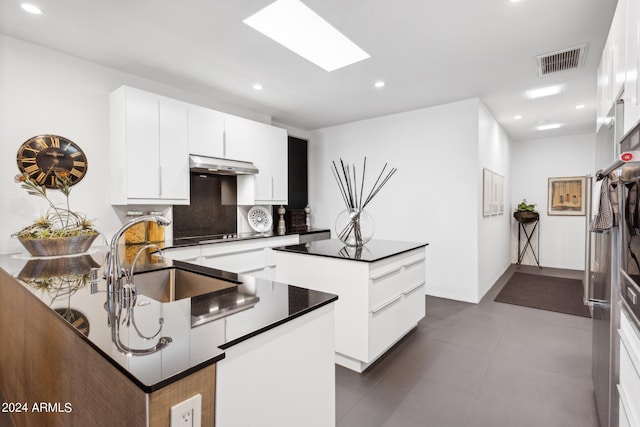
column 602, row 278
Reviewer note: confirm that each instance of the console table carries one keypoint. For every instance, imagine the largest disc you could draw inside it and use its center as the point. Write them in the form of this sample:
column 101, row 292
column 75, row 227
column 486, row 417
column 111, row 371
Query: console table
column 528, row 225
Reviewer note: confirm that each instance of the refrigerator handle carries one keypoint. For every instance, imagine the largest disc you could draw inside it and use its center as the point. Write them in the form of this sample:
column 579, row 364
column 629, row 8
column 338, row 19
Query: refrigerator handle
column 588, row 283
column 587, row 298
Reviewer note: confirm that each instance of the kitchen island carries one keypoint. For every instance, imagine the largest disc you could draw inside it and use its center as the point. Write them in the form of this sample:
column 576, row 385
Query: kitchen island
column 245, row 364
column 381, row 289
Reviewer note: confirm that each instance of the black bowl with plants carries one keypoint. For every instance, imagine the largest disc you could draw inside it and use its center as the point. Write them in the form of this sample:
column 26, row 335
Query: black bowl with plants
column 526, row 212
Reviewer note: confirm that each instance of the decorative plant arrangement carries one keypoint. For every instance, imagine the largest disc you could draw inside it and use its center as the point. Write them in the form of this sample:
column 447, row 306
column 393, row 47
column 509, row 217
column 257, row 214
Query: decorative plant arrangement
column 524, row 207
column 525, row 212
column 58, row 224
column 353, row 225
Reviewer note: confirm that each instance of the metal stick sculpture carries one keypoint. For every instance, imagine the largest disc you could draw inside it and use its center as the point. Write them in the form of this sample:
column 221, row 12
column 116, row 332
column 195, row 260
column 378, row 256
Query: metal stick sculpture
column 347, row 180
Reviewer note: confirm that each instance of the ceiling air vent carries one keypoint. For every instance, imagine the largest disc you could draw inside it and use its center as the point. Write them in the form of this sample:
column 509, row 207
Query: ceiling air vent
column 562, row 60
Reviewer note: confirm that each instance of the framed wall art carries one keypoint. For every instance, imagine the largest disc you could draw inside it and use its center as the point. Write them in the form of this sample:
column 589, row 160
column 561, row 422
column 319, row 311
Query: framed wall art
column 566, row 196
column 492, row 193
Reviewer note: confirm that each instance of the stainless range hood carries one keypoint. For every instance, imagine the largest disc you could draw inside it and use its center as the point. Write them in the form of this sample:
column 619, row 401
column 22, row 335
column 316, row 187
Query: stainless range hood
column 215, row 165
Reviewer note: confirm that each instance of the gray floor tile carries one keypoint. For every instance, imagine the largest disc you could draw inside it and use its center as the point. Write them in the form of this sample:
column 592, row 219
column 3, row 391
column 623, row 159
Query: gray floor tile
column 472, row 329
column 485, row 364
column 553, row 348
column 453, row 365
column 495, row 409
column 437, row 405
column 525, row 383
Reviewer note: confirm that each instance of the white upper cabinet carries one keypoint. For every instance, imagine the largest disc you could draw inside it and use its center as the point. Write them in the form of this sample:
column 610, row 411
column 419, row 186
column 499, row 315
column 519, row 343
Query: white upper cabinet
column 148, row 148
column 612, row 72
column 631, row 87
column 617, row 34
column 174, row 163
column 152, row 137
column 242, row 137
column 266, row 147
column 206, row 131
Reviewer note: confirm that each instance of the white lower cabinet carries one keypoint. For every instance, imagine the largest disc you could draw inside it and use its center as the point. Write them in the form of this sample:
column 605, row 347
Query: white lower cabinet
column 378, row 302
column 629, row 383
column 283, row 377
column 186, row 253
column 253, row 257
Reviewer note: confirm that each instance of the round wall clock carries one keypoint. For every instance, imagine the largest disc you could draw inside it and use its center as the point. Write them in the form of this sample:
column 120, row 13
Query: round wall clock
column 43, row 155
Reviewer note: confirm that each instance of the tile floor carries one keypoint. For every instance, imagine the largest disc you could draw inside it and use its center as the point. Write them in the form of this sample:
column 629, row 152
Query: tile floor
column 475, row 365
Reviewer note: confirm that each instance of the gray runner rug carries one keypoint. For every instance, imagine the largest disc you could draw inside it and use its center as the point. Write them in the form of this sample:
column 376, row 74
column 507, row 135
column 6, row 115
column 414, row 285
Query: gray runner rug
column 544, row 292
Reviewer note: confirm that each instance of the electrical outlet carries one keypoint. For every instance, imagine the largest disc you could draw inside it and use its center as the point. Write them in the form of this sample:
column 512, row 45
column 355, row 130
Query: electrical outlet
column 187, row 413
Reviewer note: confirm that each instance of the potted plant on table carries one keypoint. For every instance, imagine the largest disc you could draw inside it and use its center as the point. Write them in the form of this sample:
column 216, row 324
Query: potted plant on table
column 60, row 231
column 526, row 212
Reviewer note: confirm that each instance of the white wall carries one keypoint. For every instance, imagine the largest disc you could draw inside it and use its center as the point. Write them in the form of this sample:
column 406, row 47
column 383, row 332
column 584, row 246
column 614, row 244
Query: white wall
column 432, row 198
column 44, row 91
column 494, row 240
column 533, row 162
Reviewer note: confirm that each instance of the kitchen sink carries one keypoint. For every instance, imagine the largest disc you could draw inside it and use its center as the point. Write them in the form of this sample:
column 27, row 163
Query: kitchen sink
column 173, row 284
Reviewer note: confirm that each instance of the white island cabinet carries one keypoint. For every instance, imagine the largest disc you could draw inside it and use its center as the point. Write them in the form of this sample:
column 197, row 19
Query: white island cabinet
column 282, row 377
column 380, row 288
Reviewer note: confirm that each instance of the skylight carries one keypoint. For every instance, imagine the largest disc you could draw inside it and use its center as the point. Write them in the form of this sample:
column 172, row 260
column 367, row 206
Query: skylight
column 300, row 29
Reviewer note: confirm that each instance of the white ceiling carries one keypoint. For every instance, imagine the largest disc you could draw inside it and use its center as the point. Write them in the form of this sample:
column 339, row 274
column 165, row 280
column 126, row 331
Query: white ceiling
column 427, row 52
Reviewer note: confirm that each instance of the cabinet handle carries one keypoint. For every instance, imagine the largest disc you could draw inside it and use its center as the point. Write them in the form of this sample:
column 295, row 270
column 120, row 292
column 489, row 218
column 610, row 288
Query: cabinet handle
column 415, row 261
column 224, row 143
column 413, row 289
column 159, row 180
column 271, row 187
column 386, row 304
column 632, row 296
column 386, row 273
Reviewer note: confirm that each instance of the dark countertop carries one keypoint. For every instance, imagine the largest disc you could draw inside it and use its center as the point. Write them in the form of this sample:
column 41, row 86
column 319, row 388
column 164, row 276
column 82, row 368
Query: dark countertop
column 375, row 250
column 62, row 284
column 204, row 240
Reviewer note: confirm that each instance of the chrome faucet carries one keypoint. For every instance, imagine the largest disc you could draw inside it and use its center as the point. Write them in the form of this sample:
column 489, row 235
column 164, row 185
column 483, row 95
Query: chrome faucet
column 120, row 288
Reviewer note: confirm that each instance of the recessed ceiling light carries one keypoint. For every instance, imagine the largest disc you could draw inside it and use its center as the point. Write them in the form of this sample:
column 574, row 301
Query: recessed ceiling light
column 31, row 8
column 518, row 117
column 257, row 86
column 579, row 107
column 549, row 126
column 379, row 84
column 544, row 91
column 300, row 29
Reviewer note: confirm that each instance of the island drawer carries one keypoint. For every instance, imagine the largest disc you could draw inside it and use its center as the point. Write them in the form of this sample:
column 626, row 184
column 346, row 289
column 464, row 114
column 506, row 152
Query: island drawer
column 389, row 323
column 393, row 279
